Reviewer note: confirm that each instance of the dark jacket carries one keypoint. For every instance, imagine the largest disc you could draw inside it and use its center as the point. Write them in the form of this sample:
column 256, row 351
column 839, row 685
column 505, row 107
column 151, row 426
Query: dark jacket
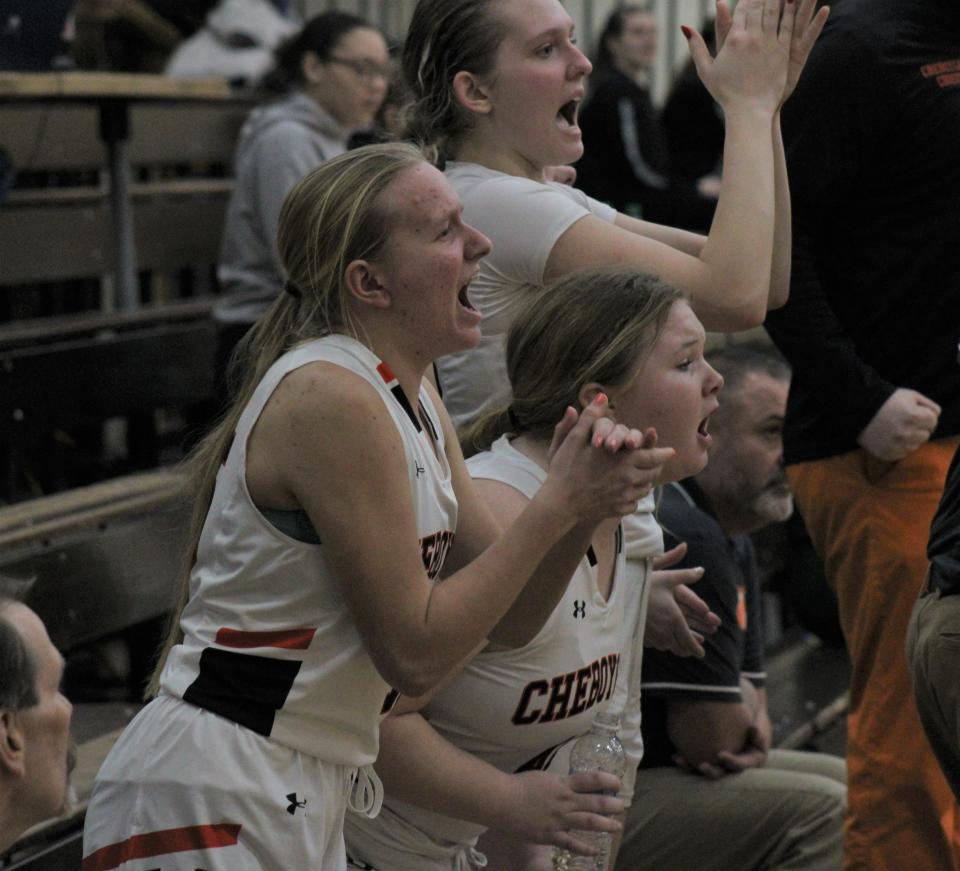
column 873, row 148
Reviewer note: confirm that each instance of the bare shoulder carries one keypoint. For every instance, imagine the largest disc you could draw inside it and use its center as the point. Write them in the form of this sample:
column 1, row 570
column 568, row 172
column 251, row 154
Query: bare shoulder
column 323, row 392
column 321, row 420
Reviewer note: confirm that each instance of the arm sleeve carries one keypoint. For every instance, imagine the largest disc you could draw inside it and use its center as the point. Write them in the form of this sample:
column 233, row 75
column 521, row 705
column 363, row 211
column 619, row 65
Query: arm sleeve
column 829, row 125
column 524, row 219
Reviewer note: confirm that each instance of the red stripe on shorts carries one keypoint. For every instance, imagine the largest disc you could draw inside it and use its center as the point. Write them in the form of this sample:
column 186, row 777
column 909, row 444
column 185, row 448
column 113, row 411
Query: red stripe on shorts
column 285, row 639
column 159, row 843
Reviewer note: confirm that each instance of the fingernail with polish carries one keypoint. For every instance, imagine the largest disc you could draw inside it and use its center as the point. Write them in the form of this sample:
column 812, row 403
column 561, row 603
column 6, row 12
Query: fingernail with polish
column 687, row 31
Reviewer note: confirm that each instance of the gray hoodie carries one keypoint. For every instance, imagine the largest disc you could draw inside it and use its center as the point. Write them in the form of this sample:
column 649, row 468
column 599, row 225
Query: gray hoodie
column 278, row 145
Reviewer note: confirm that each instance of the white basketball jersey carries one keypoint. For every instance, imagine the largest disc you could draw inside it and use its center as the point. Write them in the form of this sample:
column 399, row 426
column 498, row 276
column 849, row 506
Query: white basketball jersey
column 515, row 708
column 269, row 641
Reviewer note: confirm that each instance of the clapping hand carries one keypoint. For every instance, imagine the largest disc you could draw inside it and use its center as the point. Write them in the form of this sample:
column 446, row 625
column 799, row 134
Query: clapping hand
column 800, row 18
column 677, row 618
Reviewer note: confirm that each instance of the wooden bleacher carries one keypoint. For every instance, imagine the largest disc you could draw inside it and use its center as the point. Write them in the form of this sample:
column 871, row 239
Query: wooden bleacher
column 89, row 365
column 54, row 225
column 104, row 557
column 79, row 371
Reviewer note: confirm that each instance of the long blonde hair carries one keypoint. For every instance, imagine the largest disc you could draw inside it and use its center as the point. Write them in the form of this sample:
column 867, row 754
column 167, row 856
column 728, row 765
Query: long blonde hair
column 595, row 325
column 332, row 216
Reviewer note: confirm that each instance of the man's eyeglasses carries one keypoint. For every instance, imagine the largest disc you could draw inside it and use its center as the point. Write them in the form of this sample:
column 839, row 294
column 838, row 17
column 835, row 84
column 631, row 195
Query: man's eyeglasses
column 366, row 70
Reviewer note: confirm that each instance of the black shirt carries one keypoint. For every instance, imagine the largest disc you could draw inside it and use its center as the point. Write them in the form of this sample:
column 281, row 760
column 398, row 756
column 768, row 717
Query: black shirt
column 730, row 586
column 873, row 151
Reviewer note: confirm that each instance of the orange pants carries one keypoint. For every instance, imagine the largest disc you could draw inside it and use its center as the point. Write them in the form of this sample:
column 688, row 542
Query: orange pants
column 870, row 521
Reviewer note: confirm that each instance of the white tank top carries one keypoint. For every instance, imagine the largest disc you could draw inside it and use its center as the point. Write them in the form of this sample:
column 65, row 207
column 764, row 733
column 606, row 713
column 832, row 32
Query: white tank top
column 269, row 641
column 515, row 708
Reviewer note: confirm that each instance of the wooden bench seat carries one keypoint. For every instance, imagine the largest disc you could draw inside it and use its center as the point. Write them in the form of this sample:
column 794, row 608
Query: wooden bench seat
column 61, row 374
column 55, row 224
column 76, row 371
column 104, row 557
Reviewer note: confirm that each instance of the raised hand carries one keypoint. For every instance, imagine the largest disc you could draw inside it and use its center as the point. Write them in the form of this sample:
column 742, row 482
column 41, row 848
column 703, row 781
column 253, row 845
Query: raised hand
column 614, row 437
column 904, row 422
column 753, row 55
column 807, row 26
column 721, row 25
column 600, row 469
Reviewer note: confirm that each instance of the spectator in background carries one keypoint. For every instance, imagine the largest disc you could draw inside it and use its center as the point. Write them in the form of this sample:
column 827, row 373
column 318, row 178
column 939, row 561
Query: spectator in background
column 692, row 122
column 873, row 418
column 707, row 763
column 626, row 161
column 388, row 123
column 236, row 42
column 35, row 754
column 335, row 72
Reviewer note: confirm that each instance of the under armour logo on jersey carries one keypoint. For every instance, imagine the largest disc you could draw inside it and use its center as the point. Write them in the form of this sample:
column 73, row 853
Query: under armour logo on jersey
column 579, row 609
column 294, row 804
column 419, row 468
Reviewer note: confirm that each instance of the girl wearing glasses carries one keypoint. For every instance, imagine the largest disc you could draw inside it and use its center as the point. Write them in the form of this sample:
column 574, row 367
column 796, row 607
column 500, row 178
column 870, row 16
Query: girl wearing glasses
column 334, row 73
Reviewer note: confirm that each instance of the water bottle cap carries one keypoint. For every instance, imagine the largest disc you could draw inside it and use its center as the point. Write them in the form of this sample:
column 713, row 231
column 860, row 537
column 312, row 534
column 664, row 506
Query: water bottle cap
column 609, row 721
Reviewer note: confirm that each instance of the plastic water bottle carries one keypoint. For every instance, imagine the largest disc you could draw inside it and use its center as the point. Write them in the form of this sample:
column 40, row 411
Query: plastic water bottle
column 597, row 750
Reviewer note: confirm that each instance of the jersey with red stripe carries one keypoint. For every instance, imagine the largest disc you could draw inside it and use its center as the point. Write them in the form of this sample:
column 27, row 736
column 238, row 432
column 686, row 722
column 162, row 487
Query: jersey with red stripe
column 269, row 641
column 514, row 708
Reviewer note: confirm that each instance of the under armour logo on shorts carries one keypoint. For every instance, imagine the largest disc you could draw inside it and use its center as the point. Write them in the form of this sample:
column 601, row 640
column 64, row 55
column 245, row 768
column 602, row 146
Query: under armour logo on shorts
column 294, row 804
column 579, row 609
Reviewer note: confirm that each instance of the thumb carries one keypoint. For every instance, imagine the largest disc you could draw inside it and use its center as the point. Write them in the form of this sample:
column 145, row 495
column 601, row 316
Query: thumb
column 698, row 50
column 670, row 557
column 926, row 402
column 679, row 578
column 563, row 429
column 722, row 24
